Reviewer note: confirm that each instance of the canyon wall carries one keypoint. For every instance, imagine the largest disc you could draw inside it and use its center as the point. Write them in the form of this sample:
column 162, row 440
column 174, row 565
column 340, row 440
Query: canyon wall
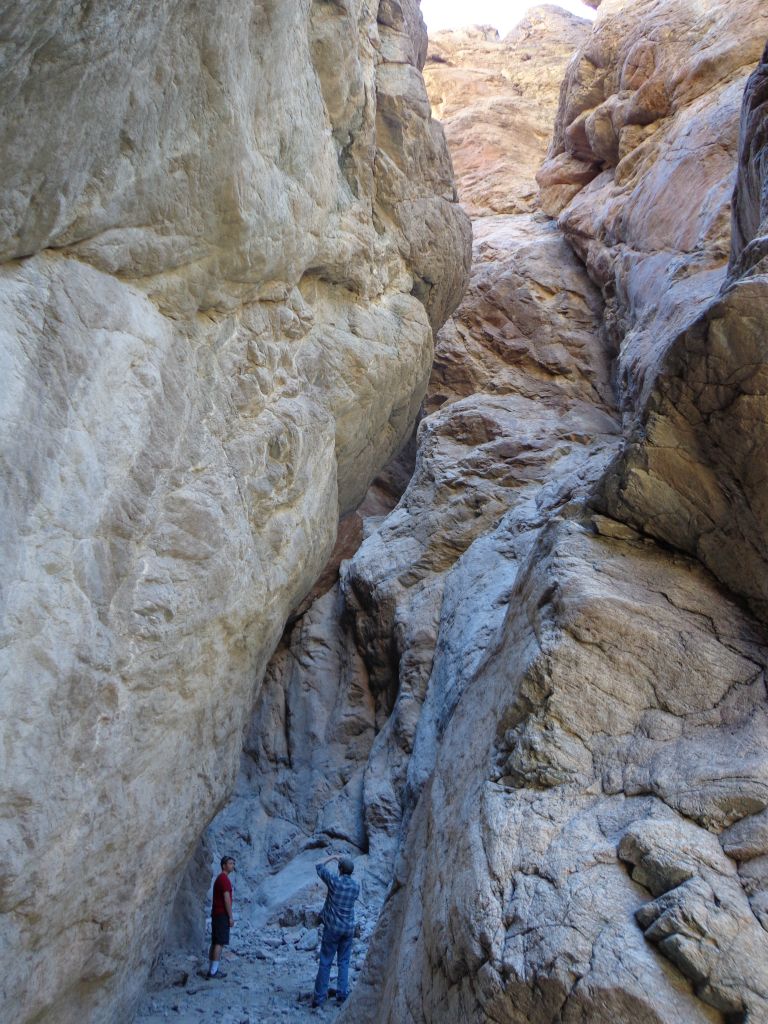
column 497, row 99
column 534, row 703
column 585, row 791
column 226, row 239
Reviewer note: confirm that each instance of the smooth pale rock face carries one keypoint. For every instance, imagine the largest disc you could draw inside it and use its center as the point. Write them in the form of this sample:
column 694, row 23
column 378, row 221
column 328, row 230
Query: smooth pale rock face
column 496, row 99
column 216, row 312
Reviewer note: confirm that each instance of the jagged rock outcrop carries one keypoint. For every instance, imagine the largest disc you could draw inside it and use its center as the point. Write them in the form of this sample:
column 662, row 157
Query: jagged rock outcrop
column 579, row 728
column 226, row 237
column 497, row 99
column 692, row 473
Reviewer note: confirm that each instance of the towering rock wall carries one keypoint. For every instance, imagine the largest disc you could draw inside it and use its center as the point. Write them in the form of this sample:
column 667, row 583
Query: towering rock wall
column 583, row 789
column 650, row 115
column 226, row 237
column 550, row 728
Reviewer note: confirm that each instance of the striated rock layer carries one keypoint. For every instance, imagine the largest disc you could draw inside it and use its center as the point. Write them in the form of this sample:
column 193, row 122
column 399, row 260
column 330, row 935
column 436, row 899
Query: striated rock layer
column 536, row 699
column 226, row 238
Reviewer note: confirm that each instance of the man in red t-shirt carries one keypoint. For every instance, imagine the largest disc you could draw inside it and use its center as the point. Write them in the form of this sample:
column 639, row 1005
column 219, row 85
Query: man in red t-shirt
column 221, row 916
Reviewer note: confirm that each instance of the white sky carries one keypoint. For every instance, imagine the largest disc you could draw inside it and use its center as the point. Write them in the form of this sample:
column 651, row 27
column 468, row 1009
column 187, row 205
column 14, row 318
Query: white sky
column 502, row 14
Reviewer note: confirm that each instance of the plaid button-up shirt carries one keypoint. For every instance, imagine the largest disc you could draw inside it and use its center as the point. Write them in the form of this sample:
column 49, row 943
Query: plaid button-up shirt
column 339, row 909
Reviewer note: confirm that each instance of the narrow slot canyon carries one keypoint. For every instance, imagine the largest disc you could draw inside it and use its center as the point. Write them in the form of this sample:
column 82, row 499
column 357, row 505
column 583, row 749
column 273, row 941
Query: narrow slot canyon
column 385, row 428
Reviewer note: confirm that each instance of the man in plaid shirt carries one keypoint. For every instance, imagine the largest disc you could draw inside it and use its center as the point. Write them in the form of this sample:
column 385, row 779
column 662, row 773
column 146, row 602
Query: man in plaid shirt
column 338, row 919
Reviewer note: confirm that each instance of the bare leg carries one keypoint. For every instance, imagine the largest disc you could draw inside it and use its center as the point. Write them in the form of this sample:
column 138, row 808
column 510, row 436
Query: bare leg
column 214, row 956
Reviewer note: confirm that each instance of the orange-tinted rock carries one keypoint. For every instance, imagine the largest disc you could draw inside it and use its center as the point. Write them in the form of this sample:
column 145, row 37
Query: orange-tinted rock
column 497, row 100
column 694, row 472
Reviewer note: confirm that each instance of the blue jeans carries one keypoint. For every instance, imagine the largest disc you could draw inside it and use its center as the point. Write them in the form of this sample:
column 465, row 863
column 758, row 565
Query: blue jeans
column 334, row 944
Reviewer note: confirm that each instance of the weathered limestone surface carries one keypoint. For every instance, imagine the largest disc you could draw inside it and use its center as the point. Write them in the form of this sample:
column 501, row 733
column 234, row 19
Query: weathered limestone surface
column 579, row 730
column 534, row 704
column 560, row 724
column 226, row 238
column 584, row 801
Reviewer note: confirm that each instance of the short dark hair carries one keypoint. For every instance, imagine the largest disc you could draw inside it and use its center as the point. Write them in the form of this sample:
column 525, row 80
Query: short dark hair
column 346, row 865
column 225, row 859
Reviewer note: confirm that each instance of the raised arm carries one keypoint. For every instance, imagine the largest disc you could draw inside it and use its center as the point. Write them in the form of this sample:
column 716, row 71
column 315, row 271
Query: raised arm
column 322, row 869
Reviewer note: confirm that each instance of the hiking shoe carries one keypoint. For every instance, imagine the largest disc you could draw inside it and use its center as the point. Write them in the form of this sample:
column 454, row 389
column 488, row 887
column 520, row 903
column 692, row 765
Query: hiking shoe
column 341, row 999
column 214, row 977
column 315, row 1005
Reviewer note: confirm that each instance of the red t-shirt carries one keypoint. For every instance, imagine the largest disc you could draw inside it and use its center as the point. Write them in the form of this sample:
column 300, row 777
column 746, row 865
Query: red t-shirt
column 220, row 886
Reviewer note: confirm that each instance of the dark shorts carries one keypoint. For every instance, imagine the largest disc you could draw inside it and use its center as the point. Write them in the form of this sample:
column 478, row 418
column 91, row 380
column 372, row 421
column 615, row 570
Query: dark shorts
column 220, row 930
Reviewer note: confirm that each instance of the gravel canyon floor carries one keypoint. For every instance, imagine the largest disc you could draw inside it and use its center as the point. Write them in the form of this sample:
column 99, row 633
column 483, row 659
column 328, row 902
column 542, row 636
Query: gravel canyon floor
column 270, row 981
